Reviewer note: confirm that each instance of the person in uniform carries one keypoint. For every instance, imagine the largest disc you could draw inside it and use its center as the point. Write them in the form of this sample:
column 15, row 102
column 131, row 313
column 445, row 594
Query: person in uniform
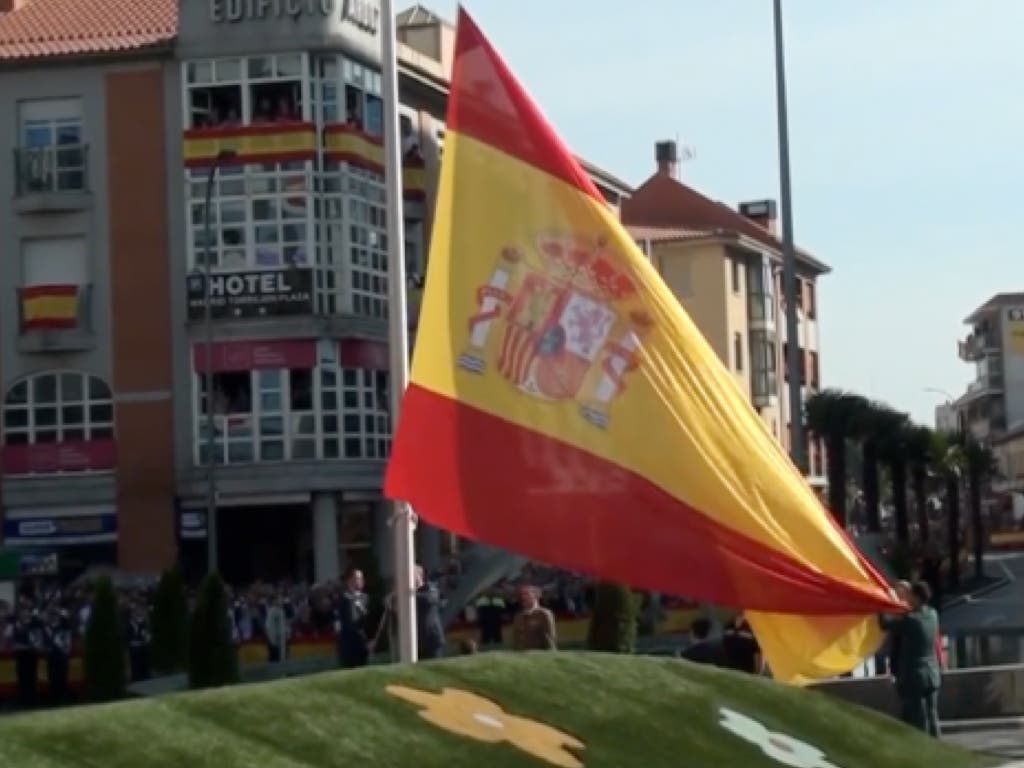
column 918, row 672
column 534, row 626
column 353, row 613
column 429, row 628
column 139, row 638
column 29, row 640
column 58, row 656
column 490, row 615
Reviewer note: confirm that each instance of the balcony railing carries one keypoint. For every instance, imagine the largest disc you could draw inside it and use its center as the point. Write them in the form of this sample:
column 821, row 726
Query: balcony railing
column 977, row 345
column 49, row 170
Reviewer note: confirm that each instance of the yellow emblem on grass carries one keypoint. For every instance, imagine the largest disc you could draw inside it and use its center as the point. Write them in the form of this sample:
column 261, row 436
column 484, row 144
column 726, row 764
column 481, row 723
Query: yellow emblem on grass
column 474, row 717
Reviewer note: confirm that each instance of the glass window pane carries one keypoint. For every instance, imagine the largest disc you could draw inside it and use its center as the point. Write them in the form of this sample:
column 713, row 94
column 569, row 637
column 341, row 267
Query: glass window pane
column 271, row 450
column 331, row 449
column 270, row 379
column 289, row 65
column 71, row 388
column 200, row 72
column 330, row 425
column 15, row 417
column 44, row 389
column 46, row 417
column 260, row 67
column 72, row 415
column 270, row 401
column 229, row 70
column 351, row 424
column 272, row 425
column 304, row 449
column 17, row 394
column 240, row 452
column 98, row 389
column 353, row 448
column 101, row 414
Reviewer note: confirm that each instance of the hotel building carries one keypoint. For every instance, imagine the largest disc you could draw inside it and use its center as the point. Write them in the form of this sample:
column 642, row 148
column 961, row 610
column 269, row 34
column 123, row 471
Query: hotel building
column 123, row 115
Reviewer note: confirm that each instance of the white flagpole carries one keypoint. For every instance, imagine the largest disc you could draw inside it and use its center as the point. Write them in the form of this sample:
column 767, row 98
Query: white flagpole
column 403, row 520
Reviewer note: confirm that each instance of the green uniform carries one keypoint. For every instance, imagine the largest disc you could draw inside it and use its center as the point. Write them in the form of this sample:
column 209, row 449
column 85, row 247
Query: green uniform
column 918, row 674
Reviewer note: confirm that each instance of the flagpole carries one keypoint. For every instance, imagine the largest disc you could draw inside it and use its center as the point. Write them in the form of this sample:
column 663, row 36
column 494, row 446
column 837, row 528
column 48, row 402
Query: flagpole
column 403, row 519
column 794, row 362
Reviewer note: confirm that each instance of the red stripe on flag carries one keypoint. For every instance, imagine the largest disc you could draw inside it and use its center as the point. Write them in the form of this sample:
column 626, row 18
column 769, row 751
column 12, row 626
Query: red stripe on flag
column 489, row 104
column 48, row 291
column 493, row 481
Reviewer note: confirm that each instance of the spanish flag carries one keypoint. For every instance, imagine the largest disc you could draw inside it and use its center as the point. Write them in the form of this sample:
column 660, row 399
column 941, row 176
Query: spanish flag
column 562, row 404
column 49, row 307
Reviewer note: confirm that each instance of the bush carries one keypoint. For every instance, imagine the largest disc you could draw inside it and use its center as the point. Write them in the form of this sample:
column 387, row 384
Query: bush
column 104, row 647
column 169, row 649
column 613, row 623
column 212, row 660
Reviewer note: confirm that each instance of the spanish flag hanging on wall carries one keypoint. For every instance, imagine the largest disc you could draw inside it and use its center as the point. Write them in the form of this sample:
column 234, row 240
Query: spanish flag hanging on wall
column 49, row 307
column 563, row 405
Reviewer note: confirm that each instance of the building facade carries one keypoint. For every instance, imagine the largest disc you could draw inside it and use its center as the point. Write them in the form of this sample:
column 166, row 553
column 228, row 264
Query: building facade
column 126, row 117
column 725, row 267
column 992, row 408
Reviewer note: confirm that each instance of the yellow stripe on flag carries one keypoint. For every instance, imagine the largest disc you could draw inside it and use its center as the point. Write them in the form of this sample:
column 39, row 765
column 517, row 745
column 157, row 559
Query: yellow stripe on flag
column 50, row 308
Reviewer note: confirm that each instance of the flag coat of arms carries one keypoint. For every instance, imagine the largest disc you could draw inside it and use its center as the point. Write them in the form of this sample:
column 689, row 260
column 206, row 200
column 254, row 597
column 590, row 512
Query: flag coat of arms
column 564, row 406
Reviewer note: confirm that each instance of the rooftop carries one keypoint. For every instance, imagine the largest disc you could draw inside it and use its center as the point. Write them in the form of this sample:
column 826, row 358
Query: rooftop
column 994, row 304
column 663, row 202
column 50, row 28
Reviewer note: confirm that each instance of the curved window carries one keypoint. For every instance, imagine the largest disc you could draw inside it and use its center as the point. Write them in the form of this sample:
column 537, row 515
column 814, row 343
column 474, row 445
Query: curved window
column 58, row 407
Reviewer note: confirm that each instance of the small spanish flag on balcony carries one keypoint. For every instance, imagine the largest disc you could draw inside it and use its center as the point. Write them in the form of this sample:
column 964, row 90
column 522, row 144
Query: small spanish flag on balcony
column 414, row 180
column 49, row 307
column 263, row 143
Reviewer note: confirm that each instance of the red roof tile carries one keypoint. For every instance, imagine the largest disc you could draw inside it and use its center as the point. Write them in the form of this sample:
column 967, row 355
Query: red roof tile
column 665, row 202
column 72, row 27
column 667, row 234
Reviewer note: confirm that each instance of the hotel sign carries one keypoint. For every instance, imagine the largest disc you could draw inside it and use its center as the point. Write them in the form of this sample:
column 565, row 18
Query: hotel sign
column 364, row 14
column 264, row 293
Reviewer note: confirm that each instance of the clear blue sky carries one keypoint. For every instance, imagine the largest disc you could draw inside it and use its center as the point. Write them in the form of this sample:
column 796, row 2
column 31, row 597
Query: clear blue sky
column 906, row 124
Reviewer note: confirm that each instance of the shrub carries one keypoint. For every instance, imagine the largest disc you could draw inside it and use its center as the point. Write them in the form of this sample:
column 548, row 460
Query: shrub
column 169, row 649
column 613, row 623
column 104, row 647
column 212, row 659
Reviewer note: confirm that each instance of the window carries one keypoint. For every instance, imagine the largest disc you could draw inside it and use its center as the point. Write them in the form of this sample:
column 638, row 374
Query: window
column 52, row 154
column 364, row 108
column 295, row 414
column 735, row 264
column 236, row 91
column 364, row 430
column 815, row 381
column 737, row 351
column 811, row 304
column 59, row 407
column 763, row 364
column 54, row 261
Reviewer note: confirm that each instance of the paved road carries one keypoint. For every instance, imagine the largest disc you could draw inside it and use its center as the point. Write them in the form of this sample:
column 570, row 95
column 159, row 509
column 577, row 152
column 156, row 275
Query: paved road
column 1003, row 744
column 1001, row 609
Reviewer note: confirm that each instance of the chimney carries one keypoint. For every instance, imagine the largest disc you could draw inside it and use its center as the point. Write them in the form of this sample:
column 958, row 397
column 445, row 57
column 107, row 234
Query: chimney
column 667, row 155
column 763, row 212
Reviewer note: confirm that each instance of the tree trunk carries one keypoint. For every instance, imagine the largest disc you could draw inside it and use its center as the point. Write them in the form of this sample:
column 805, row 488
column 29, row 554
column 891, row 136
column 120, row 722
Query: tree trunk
column 953, row 527
column 837, row 478
column 977, row 524
column 899, row 501
column 869, row 477
column 919, row 481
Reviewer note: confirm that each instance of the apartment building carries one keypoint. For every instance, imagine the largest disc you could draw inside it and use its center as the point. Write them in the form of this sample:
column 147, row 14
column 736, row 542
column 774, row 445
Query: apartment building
column 725, row 267
column 125, row 116
column 992, row 408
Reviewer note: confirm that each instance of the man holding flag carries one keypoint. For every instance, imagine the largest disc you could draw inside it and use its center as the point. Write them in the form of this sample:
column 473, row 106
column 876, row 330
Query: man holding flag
column 563, row 405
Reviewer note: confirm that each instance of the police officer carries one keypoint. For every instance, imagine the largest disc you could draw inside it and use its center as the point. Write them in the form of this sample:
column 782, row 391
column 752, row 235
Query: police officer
column 429, row 629
column 139, row 638
column 28, row 640
column 351, row 625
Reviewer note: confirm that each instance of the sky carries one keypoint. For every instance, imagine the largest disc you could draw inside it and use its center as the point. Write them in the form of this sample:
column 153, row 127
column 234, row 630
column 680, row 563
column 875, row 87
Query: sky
column 906, row 126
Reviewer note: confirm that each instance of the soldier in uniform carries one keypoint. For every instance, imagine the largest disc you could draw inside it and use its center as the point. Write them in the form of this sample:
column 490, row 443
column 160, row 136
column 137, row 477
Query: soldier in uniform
column 29, row 640
column 534, row 627
column 59, row 639
column 918, row 671
column 353, row 613
column 490, row 614
column 139, row 638
column 429, row 629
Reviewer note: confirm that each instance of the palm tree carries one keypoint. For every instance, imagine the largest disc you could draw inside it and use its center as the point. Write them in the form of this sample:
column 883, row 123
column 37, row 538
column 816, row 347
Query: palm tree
column 948, row 458
column 876, row 425
column 919, row 458
column 893, row 433
column 981, row 466
column 834, row 415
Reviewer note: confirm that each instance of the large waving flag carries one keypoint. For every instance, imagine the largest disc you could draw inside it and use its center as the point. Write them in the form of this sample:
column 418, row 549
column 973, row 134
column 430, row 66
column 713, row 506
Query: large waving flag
column 563, row 405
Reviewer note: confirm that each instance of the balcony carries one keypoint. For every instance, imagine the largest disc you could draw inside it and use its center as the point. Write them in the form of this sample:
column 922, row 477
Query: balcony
column 55, row 318
column 51, row 179
column 977, row 345
column 761, row 310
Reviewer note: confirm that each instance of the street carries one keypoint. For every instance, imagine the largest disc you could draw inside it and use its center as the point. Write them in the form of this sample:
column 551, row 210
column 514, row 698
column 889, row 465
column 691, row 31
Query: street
column 1002, row 609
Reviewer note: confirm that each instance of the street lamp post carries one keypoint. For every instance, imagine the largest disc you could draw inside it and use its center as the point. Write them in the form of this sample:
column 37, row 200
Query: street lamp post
column 794, row 363
column 211, row 443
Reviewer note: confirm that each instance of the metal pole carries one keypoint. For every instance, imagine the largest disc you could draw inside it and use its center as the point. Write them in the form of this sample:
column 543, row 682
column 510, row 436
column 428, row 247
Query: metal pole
column 403, row 519
column 211, row 444
column 794, row 361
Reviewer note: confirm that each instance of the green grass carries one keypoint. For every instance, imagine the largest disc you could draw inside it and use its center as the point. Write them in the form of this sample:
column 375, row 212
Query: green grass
column 628, row 711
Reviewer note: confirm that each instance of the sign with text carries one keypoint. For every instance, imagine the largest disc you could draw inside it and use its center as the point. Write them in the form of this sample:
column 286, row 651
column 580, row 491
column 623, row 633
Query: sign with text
column 256, row 355
column 364, row 14
column 264, row 293
column 72, row 529
column 47, row 458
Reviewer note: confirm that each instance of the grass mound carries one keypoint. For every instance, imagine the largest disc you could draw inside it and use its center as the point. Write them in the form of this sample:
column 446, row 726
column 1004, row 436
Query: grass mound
column 495, row 710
